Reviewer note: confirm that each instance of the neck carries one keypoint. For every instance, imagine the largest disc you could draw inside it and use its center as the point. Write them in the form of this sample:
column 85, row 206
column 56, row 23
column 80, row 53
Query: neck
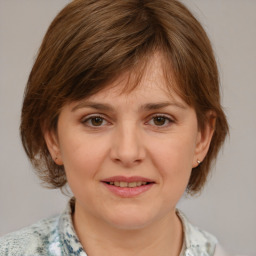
column 162, row 238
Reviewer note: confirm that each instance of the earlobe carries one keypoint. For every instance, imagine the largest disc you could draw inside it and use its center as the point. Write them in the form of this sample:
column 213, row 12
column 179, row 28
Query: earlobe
column 204, row 139
column 53, row 146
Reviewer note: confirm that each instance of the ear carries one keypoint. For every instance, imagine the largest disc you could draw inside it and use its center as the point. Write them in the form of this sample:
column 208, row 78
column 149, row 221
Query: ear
column 52, row 143
column 204, row 138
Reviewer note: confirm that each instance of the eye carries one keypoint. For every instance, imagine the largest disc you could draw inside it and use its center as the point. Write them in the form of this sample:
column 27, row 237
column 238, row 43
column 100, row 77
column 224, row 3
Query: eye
column 160, row 120
column 94, row 121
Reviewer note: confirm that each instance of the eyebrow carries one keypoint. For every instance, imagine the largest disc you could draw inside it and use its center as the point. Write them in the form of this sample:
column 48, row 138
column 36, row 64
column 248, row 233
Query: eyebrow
column 95, row 105
column 155, row 106
column 145, row 107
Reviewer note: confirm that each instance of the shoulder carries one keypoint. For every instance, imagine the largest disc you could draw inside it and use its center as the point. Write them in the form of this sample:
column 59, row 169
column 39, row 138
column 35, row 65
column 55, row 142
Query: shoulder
column 32, row 240
column 197, row 241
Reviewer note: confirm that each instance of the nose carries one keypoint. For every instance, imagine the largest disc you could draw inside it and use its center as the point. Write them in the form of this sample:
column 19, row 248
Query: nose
column 128, row 146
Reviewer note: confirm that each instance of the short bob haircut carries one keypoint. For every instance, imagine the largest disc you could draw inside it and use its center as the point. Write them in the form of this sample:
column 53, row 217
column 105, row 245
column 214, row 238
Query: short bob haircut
column 91, row 42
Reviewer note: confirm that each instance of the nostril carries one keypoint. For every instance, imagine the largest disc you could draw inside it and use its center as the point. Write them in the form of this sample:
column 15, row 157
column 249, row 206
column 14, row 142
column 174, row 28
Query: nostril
column 127, row 161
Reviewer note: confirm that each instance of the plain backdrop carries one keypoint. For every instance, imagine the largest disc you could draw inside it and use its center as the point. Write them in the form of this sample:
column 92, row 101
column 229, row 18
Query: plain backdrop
column 227, row 206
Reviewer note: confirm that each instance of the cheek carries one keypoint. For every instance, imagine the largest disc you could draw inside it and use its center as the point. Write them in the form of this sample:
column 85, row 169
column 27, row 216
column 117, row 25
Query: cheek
column 174, row 152
column 174, row 159
column 82, row 157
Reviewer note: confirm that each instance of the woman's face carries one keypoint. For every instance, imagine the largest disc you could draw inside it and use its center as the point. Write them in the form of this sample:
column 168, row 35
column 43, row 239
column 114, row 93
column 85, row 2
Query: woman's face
column 128, row 156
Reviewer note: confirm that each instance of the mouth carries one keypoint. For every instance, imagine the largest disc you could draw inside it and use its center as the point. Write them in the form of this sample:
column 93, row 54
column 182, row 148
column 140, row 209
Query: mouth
column 128, row 186
column 123, row 184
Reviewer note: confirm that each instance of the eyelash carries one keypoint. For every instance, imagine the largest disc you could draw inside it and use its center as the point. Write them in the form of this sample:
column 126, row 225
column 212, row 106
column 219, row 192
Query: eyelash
column 165, row 117
column 86, row 121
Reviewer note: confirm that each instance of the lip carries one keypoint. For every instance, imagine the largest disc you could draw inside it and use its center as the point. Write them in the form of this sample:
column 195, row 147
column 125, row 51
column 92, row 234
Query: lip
column 128, row 192
column 127, row 179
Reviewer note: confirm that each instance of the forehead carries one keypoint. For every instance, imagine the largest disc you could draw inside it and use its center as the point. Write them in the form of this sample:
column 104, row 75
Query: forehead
column 151, row 74
column 145, row 83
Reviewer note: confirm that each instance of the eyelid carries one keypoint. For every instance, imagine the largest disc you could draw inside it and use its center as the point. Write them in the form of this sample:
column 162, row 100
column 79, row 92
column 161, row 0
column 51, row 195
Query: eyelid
column 86, row 118
column 166, row 116
column 163, row 115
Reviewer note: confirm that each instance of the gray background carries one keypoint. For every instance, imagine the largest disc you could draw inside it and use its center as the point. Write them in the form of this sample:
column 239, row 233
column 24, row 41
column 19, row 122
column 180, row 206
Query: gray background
column 227, row 206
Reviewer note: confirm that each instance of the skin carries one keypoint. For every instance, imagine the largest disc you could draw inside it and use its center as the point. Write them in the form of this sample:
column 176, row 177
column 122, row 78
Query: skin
column 130, row 138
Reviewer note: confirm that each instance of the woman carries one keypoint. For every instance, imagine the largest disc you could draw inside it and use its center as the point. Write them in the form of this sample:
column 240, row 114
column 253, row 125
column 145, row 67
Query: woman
column 123, row 105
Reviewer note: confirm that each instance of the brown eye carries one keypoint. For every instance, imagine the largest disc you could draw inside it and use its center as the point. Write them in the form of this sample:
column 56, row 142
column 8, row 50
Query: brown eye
column 160, row 120
column 96, row 121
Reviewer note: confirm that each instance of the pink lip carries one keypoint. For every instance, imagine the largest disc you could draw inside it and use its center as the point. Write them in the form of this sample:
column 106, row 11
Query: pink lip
column 127, row 179
column 128, row 192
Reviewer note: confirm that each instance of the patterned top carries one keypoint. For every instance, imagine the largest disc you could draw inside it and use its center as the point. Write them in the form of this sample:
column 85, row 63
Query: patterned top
column 57, row 237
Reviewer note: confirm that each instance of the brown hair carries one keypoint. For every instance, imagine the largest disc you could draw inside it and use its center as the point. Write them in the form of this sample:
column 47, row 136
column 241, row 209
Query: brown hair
column 91, row 42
